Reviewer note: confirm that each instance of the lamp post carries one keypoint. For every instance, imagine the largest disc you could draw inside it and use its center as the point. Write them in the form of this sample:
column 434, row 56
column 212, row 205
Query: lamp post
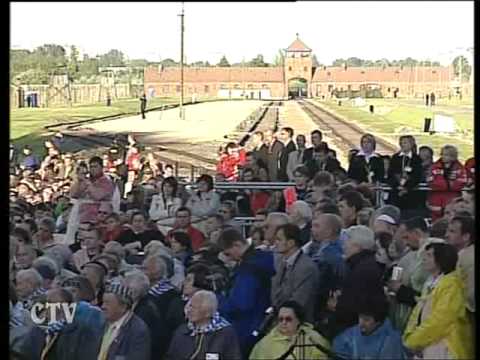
column 182, row 29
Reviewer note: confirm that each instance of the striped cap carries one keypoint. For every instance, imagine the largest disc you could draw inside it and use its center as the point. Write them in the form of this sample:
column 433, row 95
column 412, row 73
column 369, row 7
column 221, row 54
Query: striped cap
column 120, row 290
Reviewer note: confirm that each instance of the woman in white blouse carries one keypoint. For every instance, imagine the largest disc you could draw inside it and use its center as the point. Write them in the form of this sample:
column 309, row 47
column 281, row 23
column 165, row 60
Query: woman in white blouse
column 166, row 202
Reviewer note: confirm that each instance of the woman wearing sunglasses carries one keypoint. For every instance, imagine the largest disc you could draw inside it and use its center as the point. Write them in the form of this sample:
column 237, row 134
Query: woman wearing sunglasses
column 291, row 334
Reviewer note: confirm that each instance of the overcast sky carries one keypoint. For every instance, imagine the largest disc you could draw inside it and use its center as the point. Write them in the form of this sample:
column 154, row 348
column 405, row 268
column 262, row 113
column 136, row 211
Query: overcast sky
column 368, row 30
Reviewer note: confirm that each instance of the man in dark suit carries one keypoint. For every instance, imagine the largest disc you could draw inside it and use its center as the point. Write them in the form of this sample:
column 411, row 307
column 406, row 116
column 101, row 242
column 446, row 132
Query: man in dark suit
column 312, row 153
column 260, row 150
column 297, row 275
column 125, row 335
column 286, row 136
column 275, row 148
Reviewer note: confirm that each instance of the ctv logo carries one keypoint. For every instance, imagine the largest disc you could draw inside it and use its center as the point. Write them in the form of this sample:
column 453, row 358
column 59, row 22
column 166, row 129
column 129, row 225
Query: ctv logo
column 47, row 313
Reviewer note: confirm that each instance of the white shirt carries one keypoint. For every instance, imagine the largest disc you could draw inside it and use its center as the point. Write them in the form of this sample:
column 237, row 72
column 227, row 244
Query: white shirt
column 409, row 154
column 118, row 324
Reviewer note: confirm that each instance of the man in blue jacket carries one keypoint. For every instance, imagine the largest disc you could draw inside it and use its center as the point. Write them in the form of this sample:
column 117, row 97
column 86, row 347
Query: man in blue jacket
column 374, row 337
column 249, row 293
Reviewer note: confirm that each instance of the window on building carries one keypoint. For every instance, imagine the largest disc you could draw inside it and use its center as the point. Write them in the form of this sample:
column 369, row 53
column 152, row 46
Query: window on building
column 289, row 68
column 223, row 86
column 206, row 89
column 264, row 86
column 236, row 86
column 330, row 88
column 178, row 88
column 304, row 68
column 249, row 86
column 349, row 87
column 329, row 73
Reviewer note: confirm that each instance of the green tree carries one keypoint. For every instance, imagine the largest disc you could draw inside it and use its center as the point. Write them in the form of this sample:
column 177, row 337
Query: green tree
column 223, row 62
column 169, row 62
column 73, row 66
column 258, row 61
column 112, row 58
column 461, row 65
column 279, row 58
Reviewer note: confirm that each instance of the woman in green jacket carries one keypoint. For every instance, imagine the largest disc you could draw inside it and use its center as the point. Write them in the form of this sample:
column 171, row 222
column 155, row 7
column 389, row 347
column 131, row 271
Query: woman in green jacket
column 291, row 329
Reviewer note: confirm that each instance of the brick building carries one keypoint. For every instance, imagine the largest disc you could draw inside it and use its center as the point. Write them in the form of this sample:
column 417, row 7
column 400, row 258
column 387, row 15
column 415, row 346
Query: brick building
column 298, row 76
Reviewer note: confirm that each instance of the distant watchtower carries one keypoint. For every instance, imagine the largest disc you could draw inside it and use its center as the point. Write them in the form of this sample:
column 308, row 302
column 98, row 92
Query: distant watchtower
column 298, row 69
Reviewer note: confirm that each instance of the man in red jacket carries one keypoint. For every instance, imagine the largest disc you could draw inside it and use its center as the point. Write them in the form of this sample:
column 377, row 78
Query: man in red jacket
column 447, row 179
column 183, row 218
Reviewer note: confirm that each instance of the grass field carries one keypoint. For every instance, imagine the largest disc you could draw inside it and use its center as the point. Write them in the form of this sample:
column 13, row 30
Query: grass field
column 27, row 124
column 393, row 114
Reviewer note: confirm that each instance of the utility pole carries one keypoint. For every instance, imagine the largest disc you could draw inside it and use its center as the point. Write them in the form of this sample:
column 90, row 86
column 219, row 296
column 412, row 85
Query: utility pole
column 182, row 114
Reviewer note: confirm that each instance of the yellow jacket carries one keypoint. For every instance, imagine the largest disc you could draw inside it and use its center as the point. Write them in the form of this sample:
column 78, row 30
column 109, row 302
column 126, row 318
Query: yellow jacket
column 274, row 345
column 448, row 320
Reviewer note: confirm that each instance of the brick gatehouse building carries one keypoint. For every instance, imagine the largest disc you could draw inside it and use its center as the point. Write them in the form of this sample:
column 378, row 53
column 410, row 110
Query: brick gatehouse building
column 278, row 82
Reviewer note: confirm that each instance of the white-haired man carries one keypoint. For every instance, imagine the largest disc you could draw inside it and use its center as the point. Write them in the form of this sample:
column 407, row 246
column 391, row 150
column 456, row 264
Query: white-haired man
column 206, row 335
column 300, row 214
column 144, row 307
column 272, row 222
column 29, row 286
column 364, row 276
column 165, row 296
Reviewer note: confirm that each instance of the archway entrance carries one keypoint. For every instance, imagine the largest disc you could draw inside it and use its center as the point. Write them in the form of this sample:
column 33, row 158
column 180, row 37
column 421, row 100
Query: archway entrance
column 297, row 88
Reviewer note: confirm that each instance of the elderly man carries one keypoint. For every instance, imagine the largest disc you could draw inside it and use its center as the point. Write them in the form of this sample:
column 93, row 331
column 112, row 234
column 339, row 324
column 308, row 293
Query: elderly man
column 144, row 307
column 115, row 248
column 273, row 221
column 29, row 287
column 300, row 214
column 364, row 275
column 60, row 340
column 125, row 335
column 207, row 335
column 249, row 294
column 297, row 275
column 96, row 273
column 165, row 296
column 92, row 247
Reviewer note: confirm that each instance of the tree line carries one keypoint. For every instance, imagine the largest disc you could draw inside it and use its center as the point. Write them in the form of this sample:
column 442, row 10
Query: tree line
column 38, row 65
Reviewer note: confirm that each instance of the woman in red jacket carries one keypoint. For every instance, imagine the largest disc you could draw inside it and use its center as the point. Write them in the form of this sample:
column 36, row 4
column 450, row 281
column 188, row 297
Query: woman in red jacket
column 230, row 160
column 447, row 179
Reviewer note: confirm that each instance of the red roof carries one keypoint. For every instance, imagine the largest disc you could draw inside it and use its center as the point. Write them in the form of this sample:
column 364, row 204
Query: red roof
column 379, row 74
column 298, row 45
column 215, row 74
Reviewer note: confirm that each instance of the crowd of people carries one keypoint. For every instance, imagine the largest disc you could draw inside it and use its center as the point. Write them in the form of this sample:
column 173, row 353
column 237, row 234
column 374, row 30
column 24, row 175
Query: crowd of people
column 158, row 269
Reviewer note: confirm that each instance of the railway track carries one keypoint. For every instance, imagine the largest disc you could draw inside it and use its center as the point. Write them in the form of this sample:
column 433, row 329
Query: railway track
column 192, row 161
column 348, row 134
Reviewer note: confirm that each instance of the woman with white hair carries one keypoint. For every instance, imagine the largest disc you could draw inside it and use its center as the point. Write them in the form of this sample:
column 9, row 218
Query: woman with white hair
column 364, row 275
column 207, row 335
